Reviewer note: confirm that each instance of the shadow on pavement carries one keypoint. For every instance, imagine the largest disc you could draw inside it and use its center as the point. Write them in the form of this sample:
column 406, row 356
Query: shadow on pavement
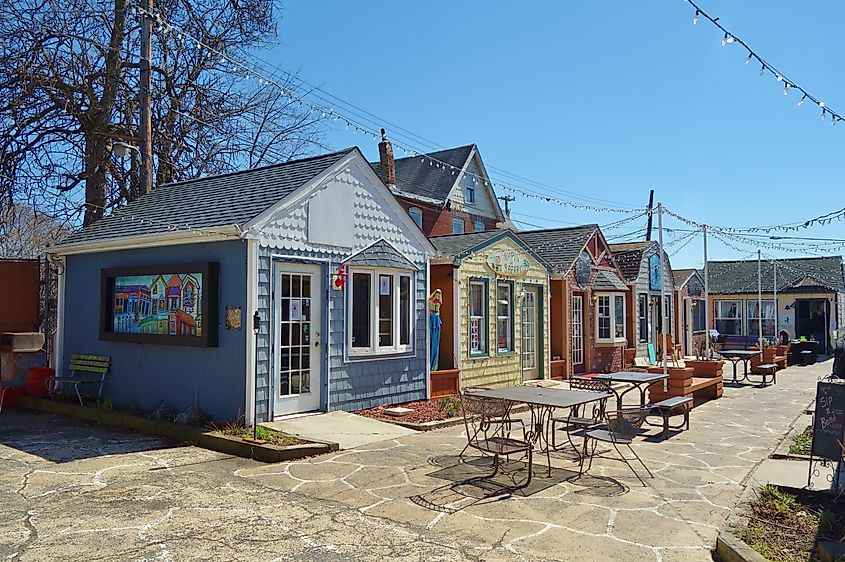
column 59, row 439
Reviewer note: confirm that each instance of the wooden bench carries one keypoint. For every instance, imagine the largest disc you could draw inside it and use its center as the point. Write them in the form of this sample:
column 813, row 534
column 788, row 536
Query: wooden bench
column 769, row 356
column 91, row 366
column 682, row 383
column 665, row 409
column 768, row 370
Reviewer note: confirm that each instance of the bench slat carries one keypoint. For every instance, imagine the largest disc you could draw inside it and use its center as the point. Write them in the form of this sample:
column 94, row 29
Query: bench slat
column 102, row 358
column 89, row 369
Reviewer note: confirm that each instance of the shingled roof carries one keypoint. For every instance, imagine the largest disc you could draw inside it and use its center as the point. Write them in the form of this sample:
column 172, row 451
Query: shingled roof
column 419, row 176
column 681, row 276
column 628, row 257
column 456, row 244
column 796, row 275
column 559, row 246
column 214, row 201
column 380, row 254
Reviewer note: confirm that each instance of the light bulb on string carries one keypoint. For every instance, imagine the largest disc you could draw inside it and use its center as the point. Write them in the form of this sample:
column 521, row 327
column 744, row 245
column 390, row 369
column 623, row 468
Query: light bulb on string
column 695, row 17
column 786, row 88
column 748, row 58
column 762, row 70
column 801, row 101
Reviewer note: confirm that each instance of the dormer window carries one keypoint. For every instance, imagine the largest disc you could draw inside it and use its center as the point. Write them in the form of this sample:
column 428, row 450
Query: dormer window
column 416, row 215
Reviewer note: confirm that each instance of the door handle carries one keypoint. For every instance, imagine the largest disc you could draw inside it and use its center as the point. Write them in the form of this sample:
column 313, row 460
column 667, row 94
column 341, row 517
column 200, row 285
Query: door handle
column 317, row 339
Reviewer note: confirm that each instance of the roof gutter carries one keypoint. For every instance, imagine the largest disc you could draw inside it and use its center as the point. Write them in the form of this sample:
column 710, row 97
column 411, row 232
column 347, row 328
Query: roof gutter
column 173, row 238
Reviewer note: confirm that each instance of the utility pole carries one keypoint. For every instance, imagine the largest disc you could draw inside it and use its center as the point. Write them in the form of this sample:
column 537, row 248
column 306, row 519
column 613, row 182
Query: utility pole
column 650, row 214
column 760, row 298
column 507, row 199
column 145, row 182
column 706, row 297
column 664, row 310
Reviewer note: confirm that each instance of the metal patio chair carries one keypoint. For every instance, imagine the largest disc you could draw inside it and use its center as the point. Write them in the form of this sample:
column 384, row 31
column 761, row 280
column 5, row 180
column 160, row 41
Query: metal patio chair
column 584, row 416
column 497, row 418
column 622, row 426
column 485, row 431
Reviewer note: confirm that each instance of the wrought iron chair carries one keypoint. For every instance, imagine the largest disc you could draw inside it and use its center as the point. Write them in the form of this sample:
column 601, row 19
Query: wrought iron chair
column 483, row 422
column 622, row 426
column 584, row 416
column 500, row 418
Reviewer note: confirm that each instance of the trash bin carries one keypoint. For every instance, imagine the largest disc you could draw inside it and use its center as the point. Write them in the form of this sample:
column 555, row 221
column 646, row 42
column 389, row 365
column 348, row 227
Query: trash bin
column 36, row 381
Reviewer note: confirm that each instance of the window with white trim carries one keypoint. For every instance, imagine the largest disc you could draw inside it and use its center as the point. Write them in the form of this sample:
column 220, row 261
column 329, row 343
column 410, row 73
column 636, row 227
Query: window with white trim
column 381, row 316
column 699, row 313
column 728, row 317
column 504, row 317
column 642, row 313
column 457, row 225
column 469, row 188
column 753, row 318
column 478, row 317
column 416, row 215
column 610, row 318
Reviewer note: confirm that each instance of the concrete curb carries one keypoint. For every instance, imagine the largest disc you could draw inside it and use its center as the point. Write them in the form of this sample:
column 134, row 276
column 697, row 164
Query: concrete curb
column 207, row 440
column 730, row 548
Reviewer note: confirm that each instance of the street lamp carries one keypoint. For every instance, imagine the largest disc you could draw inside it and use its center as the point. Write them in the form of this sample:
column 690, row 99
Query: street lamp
column 123, row 149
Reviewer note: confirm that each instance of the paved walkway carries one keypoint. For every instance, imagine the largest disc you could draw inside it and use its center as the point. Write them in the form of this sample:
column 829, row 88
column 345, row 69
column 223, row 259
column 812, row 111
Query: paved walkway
column 347, row 430
column 81, row 492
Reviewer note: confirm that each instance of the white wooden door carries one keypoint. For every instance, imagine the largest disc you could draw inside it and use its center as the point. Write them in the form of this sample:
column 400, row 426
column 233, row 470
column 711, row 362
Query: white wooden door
column 578, row 333
column 530, row 333
column 297, row 338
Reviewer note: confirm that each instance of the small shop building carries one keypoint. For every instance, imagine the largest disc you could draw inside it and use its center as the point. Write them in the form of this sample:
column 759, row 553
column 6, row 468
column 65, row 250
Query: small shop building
column 640, row 265
column 319, row 248
column 493, row 312
column 589, row 300
column 690, row 311
column 810, row 299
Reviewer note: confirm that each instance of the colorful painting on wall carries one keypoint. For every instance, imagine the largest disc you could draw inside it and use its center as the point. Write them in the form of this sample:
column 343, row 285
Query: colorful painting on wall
column 167, row 304
column 174, row 304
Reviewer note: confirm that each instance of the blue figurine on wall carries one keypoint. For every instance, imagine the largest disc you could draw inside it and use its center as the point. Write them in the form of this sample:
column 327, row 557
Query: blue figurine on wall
column 435, row 300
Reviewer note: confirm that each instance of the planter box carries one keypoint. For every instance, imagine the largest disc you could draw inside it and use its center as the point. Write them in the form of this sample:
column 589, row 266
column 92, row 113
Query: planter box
column 706, row 368
column 675, row 373
column 558, row 369
column 445, row 383
column 207, row 440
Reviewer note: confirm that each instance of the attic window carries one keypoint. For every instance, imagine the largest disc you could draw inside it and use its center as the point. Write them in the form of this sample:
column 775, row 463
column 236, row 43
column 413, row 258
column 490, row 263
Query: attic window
column 416, row 215
column 469, row 188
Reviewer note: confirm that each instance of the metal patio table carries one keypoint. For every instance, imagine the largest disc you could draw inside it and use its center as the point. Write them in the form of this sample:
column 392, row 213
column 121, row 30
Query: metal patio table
column 640, row 381
column 737, row 355
column 541, row 403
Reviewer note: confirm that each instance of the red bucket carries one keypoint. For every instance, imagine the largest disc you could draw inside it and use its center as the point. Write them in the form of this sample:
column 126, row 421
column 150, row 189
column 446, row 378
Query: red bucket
column 36, row 380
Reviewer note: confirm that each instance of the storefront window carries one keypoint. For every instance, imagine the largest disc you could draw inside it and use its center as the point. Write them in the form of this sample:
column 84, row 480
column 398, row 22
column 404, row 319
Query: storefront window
column 728, row 319
column 380, row 316
column 699, row 313
column 753, row 318
column 504, row 317
column 642, row 314
column 478, row 317
column 361, row 309
column 610, row 318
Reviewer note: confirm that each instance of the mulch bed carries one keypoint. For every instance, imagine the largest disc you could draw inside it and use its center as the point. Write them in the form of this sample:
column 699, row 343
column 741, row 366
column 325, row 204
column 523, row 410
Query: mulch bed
column 785, row 526
column 424, row 411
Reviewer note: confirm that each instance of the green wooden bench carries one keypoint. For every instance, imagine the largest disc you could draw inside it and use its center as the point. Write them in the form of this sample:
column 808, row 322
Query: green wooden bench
column 90, row 366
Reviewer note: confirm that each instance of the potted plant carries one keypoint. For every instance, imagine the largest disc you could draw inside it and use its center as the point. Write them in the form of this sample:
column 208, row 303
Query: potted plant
column 704, row 365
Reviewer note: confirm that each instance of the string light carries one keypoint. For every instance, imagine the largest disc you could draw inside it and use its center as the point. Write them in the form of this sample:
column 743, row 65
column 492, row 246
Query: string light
column 695, row 18
column 729, row 37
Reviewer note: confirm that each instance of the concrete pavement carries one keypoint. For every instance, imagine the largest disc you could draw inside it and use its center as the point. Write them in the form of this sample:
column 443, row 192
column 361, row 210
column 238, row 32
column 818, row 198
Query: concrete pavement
column 75, row 491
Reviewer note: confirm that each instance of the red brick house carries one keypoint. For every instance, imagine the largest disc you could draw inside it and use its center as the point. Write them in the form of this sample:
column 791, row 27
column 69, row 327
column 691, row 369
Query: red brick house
column 444, row 192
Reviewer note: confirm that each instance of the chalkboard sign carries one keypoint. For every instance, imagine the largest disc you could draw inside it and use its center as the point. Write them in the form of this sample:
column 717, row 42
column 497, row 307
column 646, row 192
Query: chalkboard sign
column 829, row 422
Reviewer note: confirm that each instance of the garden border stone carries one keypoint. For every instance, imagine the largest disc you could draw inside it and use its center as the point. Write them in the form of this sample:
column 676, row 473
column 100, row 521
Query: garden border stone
column 206, row 439
column 730, row 548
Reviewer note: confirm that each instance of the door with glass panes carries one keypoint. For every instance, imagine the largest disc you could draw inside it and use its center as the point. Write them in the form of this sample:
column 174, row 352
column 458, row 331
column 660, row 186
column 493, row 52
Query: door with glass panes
column 297, row 339
column 531, row 333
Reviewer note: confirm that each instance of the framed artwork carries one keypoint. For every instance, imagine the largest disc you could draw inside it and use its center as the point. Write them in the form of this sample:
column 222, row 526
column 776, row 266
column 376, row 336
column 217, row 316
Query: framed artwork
column 168, row 304
column 654, row 279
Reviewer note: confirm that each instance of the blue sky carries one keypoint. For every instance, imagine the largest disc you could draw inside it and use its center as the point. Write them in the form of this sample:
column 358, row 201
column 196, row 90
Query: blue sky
column 603, row 99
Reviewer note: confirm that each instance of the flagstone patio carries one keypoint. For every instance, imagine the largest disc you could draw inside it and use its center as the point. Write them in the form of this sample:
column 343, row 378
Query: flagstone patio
column 78, row 491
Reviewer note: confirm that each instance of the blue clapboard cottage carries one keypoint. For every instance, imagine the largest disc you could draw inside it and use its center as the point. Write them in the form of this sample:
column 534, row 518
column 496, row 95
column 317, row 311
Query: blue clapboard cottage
column 336, row 269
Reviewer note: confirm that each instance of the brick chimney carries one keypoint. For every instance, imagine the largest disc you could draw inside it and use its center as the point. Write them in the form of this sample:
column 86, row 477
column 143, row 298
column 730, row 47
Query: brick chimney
column 388, row 165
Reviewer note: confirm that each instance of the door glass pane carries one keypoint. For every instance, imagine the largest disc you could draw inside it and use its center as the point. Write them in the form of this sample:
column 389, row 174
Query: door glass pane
column 404, row 310
column 294, row 382
column 619, row 324
column 577, row 330
column 285, row 285
column 305, row 382
column 361, row 308
column 385, row 306
column 284, row 384
column 296, row 286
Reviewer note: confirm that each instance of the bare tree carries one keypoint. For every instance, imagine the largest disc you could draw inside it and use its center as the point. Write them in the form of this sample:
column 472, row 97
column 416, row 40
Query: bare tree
column 69, row 91
column 25, row 233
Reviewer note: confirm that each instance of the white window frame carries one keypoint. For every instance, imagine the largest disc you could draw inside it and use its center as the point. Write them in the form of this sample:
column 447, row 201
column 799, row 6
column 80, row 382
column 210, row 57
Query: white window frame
column 611, row 304
column 375, row 349
column 509, row 289
column 484, row 330
column 754, row 320
column 739, row 317
column 414, row 213
column 463, row 225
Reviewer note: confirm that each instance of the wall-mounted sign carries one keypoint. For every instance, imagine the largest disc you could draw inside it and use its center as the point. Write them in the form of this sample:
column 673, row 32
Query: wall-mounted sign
column 233, row 318
column 654, row 279
column 508, row 262
column 583, row 269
